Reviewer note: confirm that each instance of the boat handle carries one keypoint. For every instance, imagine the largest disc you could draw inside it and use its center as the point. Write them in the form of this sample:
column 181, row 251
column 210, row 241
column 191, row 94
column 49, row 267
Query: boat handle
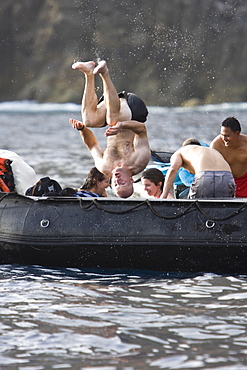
column 210, row 224
column 44, row 223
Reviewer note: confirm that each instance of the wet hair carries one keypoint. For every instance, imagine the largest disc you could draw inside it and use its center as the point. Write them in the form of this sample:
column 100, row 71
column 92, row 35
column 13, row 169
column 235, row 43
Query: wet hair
column 93, row 176
column 232, row 123
column 191, row 141
column 154, row 175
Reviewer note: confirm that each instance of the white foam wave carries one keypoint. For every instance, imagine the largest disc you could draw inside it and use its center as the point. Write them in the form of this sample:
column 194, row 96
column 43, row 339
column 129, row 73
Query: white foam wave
column 223, row 107
column 28, row 106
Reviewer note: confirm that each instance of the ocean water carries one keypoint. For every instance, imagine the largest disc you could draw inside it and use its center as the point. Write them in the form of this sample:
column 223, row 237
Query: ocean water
column 110, row 320
column 42, row 136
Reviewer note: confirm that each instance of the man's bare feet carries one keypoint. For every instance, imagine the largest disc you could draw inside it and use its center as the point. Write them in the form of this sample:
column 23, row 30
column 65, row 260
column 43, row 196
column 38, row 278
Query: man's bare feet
column 86, row 67
column 101, row 68
column 76, row 124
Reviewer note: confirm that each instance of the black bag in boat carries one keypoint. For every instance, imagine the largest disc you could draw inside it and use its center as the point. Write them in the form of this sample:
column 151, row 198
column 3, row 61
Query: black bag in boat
column 45, row 186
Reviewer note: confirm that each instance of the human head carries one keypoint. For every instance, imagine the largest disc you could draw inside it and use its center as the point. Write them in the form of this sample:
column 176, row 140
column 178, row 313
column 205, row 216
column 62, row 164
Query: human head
column 153, row 181
column 122, row 183
column 230, row 132
column 232, row 123
column 191, row 141
column 95, row 181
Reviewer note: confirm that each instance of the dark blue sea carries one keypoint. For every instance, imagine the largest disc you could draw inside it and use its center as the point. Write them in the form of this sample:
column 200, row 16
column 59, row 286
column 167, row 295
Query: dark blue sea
column 110, row 320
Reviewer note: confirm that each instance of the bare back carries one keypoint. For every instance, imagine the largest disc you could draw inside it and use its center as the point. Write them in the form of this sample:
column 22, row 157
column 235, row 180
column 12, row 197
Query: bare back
column 199, row 158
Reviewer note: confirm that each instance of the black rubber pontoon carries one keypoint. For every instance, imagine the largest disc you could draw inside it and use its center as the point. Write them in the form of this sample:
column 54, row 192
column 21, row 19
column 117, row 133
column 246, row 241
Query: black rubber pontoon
column 109, row 233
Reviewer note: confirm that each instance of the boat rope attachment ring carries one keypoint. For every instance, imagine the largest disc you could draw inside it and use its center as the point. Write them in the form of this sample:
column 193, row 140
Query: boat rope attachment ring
column 44, row 223
column 210, row 224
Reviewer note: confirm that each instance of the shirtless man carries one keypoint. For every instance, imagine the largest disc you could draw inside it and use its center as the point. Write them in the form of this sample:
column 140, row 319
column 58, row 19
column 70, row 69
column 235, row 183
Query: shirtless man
column 233, row 146
column 213, row 177
column 127, row 152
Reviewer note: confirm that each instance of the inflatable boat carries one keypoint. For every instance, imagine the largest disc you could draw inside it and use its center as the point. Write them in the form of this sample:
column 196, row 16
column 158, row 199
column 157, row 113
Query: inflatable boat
column 177, row 235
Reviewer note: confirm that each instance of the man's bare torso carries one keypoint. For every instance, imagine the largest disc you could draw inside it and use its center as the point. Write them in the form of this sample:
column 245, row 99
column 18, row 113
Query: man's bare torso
column 235, row 156
column 120, row 153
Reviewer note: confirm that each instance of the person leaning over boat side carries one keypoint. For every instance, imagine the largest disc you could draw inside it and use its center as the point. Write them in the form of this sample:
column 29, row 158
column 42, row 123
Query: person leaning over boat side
column 127, row 152
column 233, row 146
column 95, row 185
column 213, row 177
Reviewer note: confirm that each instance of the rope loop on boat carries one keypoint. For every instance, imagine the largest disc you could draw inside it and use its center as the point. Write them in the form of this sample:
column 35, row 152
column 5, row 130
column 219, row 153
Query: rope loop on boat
column 198, row 206
column 194, row 204
column 103, row 208
column 97, row 204
column 87, row 206
column 118, row 212
column 181, row 214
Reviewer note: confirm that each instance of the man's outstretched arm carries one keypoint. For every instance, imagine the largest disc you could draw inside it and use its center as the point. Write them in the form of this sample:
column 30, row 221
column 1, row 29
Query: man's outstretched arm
column 176, row 163
column 89, row 139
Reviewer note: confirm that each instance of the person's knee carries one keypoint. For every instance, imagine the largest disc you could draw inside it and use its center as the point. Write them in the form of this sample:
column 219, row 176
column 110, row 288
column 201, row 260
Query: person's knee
column 112, row 119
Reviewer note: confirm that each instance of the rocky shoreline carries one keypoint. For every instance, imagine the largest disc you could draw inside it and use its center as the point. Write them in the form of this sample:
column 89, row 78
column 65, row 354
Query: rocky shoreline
column 193, row 52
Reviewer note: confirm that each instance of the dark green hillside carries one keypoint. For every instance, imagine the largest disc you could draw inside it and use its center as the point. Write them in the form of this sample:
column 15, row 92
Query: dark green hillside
column 168, row 52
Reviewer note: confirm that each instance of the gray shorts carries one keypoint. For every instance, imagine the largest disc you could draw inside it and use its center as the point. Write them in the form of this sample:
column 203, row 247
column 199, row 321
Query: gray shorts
column 213, row 184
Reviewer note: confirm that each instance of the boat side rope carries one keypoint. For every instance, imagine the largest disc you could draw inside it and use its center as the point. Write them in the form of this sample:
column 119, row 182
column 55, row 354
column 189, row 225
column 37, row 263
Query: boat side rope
column 97, row 205
column 197, row 204
column 147, row 202
column 181, row 214
column 86, row 206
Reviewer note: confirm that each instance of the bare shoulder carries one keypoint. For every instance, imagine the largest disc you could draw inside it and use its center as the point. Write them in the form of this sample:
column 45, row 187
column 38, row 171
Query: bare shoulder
column 243, row 139
column 216, row 142
column 178, row 155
